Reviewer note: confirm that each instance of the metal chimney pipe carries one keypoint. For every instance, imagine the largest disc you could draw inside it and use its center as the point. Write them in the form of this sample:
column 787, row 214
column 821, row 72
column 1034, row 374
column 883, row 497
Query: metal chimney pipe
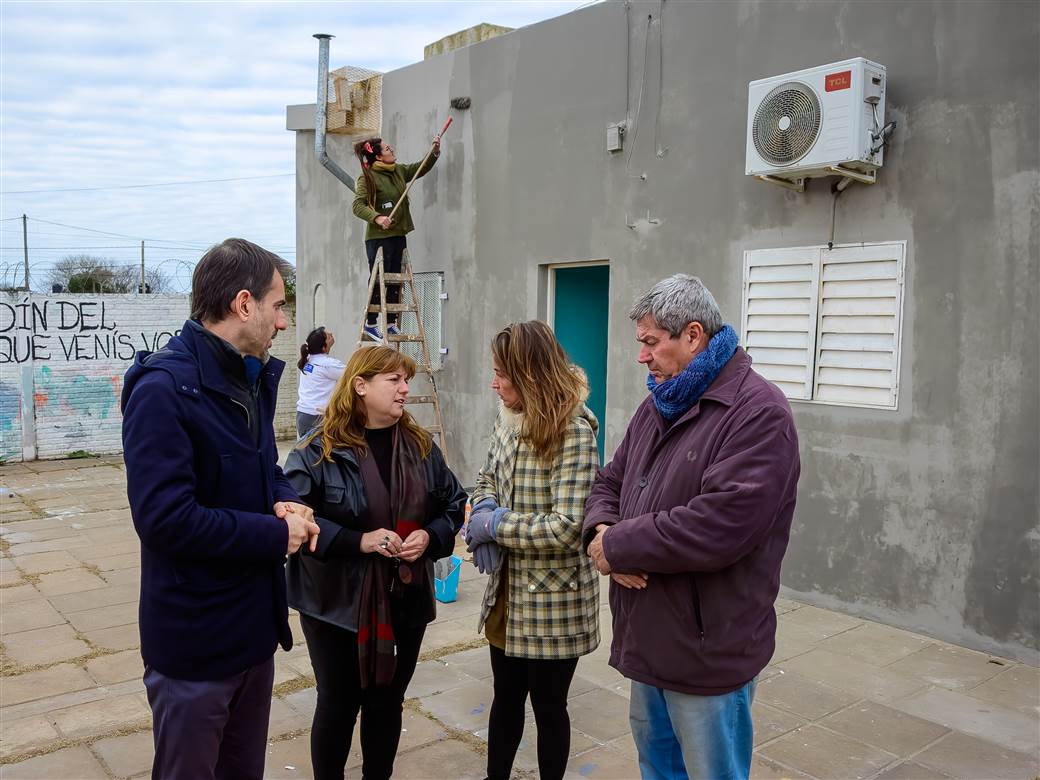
column 322, row 108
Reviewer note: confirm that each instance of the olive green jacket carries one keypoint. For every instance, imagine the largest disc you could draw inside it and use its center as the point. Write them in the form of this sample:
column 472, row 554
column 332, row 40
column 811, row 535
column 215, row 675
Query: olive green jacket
column 552, row 607
column 390, row 185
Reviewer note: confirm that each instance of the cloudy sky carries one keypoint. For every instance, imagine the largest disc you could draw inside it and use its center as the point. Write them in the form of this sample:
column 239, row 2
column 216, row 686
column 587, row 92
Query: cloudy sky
column 101, row 97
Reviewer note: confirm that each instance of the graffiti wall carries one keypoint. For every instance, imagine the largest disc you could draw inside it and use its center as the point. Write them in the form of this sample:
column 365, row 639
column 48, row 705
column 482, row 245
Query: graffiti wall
column 69, row 352
column 77, row 348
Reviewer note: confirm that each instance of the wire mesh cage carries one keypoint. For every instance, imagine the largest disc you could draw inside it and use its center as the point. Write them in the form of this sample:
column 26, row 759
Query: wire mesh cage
column 428, row 288
column 355, row 101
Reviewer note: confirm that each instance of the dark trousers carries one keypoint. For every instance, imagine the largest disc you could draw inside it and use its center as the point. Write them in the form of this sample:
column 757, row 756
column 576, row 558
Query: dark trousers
column 548, row 683
column 393, row 255
column 208, row 730
column 334, row 657
column 305, row 422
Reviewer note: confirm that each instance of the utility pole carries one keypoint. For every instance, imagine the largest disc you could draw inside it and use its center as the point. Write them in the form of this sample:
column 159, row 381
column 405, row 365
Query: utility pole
column 25, row 249
column 142, row 268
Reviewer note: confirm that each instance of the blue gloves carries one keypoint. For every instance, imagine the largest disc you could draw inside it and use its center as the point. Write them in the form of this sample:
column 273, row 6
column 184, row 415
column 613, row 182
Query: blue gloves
column 483, row 522
column 480, row 535
column 487, row 557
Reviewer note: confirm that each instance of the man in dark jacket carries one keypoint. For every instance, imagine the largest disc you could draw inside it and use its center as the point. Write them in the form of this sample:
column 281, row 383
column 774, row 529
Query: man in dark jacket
column 216, row 518
column 691, row 520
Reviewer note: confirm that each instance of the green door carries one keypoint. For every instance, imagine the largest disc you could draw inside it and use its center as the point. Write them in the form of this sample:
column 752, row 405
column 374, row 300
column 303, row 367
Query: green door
column 580, row 302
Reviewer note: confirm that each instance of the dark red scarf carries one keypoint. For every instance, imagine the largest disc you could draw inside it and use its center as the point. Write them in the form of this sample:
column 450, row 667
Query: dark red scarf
column 403, row 509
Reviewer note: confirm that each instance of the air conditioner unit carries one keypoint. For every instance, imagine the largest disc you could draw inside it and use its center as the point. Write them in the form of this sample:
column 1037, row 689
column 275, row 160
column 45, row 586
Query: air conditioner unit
column 825, row 121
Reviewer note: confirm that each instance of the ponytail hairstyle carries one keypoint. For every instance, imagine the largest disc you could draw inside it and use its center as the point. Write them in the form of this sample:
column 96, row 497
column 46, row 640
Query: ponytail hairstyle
column 368, row 152
column 314, row 345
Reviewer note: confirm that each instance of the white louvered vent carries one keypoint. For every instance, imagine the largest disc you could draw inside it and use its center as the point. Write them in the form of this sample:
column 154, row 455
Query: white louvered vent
column 779, row 316
column 857, row 351
column 825, row 325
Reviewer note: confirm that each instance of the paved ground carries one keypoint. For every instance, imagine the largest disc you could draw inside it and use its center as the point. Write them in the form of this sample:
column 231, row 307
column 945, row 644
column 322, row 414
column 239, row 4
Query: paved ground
column 843, row 698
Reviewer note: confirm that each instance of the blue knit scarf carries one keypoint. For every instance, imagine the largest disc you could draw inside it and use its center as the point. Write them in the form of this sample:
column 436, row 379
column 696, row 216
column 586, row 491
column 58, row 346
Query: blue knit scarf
column 674, row 397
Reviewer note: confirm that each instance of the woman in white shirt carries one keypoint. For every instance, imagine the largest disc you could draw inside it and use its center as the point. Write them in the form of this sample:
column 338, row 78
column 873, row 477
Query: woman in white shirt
column 319, row 372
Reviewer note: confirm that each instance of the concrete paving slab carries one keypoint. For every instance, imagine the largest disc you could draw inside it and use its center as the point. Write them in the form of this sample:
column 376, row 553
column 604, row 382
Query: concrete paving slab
column 104, row 617
column 1017, row 688
column 862, row 680
column 61, row 583
column 947, row 666
column 27, row 615
column 99, row 717
column 303, row 701
column 49, row 545
column 595, row 669
column 115, row 639
column 129, row 576
column 792, row 641
column 117, row 562
column 876, row 644
column 466, row 707
column 764, row 769
column 447, row 759
column 18, row 594
column 527, row 754
column 439, row 635
column 44, row 646
column 604, row 763
column 771, row 722
column 117, row 667
column 94, row 598
column 821, row 623
column 827, row 754
column 601, row 714
column 416, row 730
column 63, row 678
column 911, row 770
column 97, row 554
column 801, row 695
column 963, row 756
column 39, row 563
column 128, row 755
column 435, row 676
column 960, row 712
column 75, row 762
column 884, row 727
column 476, row 662
column 285, row 719
column 289, row 759
column 20, row 735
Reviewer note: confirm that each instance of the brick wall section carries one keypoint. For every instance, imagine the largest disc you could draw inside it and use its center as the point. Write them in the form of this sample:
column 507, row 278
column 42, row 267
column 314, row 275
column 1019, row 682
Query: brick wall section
column 78, row 347
column 287, row 348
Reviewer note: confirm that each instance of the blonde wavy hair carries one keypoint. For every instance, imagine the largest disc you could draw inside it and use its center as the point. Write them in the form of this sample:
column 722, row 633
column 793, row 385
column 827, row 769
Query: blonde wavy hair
column 343, row 424
column 549, row 385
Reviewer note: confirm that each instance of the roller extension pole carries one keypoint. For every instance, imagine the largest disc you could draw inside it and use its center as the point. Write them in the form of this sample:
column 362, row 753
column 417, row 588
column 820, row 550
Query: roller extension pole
column 416, row 176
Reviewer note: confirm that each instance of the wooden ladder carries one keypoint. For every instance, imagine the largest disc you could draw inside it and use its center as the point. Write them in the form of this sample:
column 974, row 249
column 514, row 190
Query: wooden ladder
column 424, row 365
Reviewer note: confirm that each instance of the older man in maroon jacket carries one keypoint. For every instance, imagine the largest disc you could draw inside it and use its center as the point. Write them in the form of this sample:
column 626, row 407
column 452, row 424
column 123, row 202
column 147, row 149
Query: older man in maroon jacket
column 691, row 520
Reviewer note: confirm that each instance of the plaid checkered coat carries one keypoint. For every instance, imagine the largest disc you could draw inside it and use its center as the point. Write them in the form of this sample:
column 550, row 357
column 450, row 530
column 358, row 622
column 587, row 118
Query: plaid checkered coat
column 553, row 599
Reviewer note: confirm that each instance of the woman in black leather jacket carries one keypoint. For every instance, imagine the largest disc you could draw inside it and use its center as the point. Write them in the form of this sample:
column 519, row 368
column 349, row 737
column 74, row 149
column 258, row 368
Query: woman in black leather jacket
column 388, row 507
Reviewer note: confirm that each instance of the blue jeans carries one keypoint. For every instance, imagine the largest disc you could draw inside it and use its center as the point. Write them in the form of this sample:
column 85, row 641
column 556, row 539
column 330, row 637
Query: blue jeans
column 679, row 735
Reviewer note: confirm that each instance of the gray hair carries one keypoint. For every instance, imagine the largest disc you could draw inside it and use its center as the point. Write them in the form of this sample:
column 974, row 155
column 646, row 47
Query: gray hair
column 675, row 302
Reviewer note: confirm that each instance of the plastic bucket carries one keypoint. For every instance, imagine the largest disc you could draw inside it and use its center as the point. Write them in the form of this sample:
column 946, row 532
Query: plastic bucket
column 447, row 590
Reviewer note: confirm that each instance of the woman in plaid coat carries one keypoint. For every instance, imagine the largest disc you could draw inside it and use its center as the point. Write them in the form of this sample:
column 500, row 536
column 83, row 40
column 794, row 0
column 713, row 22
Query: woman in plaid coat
column 540, row 609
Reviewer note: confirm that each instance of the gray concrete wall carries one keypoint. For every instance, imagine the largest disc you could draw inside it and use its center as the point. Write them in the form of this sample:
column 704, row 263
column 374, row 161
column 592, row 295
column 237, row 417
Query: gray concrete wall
column 925, row 517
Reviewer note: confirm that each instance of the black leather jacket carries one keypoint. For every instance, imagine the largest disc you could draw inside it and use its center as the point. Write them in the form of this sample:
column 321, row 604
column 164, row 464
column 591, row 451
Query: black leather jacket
column 328, row 586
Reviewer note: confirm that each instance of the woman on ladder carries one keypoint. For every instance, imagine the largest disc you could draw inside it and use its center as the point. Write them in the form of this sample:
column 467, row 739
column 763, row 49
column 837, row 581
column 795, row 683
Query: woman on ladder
column 381, row 185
